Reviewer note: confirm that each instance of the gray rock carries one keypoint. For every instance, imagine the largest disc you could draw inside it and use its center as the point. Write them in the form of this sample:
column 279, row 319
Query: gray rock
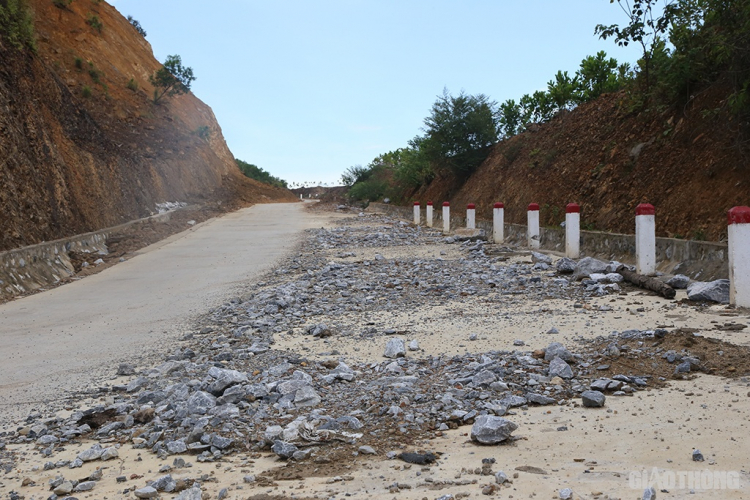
column 566, row 494
column 93, row 453
column 593, row 399
column 697, row 456
column 165, row 483
column 540, row 257
column 559, row 368
column 540, row 399
column 63, row 488
column 600, row 385
column 683, row 367
column 588, row 266
column 489, row 429
column 283, row 449
column 224, row 379
column 649, row 494
column 306, row 396
column 367, row 450
column 200, row 403
column 84, row 486
column 557, row 350
column 175, row 447
column 483, row 379
column 395, row 348
column 125, row 370
column 414, row 345
column 678, row 281
column 565, row 266
column 193, row 493
column 712, row 291
column 146, row 492
column 501, row 477
column 110, row 453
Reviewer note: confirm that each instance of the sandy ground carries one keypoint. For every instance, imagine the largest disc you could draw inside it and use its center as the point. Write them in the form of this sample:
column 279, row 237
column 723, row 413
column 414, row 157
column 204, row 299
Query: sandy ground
column 610, row 452
column 67, row 338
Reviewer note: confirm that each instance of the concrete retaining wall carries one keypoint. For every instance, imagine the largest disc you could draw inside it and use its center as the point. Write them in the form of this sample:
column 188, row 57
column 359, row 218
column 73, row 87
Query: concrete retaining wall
column 701, row 260
column 30, row 268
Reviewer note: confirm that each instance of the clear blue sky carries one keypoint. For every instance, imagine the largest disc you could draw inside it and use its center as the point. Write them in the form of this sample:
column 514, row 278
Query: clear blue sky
column 305, row 89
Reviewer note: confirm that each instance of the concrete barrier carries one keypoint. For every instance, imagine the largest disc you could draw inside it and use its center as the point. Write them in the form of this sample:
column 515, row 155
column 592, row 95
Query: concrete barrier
column 30, row 268
column 446, row 217
column 702, row 260
column 417, row 209
column 739, row 256
column 645, row 239
column 471, row 216
column 498, row 223
column 532, row 220
column 429, row 214
column 572, row 231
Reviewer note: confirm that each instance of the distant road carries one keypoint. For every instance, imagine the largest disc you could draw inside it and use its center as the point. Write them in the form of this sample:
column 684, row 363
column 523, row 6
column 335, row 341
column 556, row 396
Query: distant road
column 63, row 339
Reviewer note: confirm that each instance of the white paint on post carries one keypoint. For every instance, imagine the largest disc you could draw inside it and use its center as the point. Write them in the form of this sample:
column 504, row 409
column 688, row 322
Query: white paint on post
column 446, row 217
column 572, row 231
column 532, row 218
column 416, row 213
column 300, row 196
column 471, row 221
column 429, row 214
column 645, row 239
column 739, row 256
column 498, row 222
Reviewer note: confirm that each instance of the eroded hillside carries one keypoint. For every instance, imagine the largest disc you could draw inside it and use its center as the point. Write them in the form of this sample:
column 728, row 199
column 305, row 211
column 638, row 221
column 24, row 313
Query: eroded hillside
column 686, row 162
column 83, row 147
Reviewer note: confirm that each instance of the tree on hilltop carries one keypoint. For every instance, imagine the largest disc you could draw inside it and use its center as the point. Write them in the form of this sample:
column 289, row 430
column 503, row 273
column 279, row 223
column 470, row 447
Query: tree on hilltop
column 171, row 79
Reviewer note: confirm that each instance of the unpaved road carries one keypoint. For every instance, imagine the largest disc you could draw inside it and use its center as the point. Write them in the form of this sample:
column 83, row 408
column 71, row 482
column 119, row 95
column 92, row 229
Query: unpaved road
column 66, row 338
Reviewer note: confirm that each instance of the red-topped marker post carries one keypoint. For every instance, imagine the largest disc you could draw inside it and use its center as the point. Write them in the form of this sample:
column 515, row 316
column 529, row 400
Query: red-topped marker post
column 645, row 239
column 417, row 208
column 572, row 231
column 471, row 216
column 738, row 246
column 532, row 217
column 446, row 217
column 498, row 222
column 429, row 214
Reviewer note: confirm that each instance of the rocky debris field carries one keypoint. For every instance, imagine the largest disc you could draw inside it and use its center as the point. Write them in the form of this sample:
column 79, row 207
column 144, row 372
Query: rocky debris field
column 264, row 378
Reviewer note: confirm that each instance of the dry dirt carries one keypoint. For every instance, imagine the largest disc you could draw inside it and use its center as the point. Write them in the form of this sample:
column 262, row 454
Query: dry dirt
column 599, row 453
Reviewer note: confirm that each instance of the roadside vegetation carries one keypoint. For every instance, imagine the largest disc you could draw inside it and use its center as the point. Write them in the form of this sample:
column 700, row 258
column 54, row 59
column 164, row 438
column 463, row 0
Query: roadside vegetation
column 688, row 47
column 257, row 173
column 17, row 24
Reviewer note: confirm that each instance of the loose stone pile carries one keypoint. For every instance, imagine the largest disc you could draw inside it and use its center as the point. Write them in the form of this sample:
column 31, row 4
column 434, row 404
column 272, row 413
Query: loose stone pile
column 226, row 388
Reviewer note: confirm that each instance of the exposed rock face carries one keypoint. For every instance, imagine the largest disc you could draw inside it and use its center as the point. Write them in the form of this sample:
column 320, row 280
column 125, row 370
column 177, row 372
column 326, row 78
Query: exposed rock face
column 72, row 163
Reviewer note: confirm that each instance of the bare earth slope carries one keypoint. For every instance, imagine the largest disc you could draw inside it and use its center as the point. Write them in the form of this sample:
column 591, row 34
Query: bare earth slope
column 72, row 163
column 685, row 162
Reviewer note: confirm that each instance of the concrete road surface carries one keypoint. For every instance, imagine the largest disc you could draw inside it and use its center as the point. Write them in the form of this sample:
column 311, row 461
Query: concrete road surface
column 69, row 337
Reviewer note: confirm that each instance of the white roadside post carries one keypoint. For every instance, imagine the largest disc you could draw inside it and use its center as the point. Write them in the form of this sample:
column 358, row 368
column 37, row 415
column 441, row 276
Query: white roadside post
column 300, row 196
column 532, row 217
column 471, row 221
column 645, row 239
column 416, row 213
column 498, row 222
column 429, row 214
column 572, row 231
column 739, row 256
column 446, row 217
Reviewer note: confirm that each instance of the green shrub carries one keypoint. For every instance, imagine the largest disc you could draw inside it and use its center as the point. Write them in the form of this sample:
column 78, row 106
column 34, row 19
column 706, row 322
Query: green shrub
column 79, row 63
column 17, row 24
column 132, row 85
column 257, row 173
column 94, row 22
column 94, row 73
column 62, row 4
column 137, row 26
column 86, row 91
column 203, row 132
